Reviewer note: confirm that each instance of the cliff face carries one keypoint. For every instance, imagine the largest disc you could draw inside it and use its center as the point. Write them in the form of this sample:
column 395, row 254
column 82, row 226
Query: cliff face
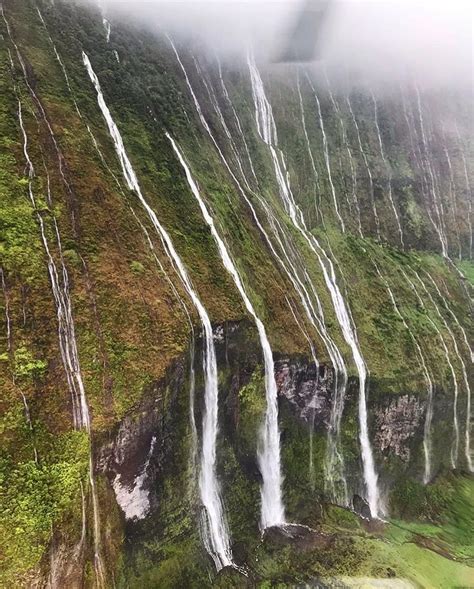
column 345, row 212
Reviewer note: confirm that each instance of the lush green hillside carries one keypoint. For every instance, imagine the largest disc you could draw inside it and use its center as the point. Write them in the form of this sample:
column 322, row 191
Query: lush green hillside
column 380, row 182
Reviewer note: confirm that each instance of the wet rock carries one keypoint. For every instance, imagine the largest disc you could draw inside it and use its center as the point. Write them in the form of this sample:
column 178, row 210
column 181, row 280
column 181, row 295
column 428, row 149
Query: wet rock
column 132, row 455
column 301, row 537
column 361, row 507
column 231, row 577
column 397, row 423
column 307, row 389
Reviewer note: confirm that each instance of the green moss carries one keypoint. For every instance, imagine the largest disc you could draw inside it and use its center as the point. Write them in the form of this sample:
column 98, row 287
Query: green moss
column 34, row 497
column 467, row 267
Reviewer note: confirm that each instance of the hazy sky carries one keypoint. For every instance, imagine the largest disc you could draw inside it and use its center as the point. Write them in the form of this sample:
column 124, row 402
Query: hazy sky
column 430, row 38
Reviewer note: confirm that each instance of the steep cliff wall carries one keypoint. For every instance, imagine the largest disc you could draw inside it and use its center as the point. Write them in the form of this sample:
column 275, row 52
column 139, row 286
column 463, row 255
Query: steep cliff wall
column 347, row 213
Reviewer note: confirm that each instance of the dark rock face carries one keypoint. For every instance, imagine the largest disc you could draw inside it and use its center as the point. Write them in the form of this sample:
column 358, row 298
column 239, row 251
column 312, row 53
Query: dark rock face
column 138, row 453
column 131, row 458
column 396, row 424
column 307, row 389
column 302, row 537
column 361, row 507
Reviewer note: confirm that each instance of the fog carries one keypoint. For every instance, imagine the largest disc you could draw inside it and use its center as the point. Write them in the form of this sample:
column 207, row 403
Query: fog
column 382, row 40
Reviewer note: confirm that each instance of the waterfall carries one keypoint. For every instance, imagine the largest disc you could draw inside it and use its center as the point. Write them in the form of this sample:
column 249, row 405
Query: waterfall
column 468, row 190
column 467, row 439
column 389, row 170
column 452, row 193
column 366, row 164
column 326, row 152
column 439, row 227
column 60, row 288
column 216, row 535
column 455, row 443
column 267, row 131
column 317, row 205
column 236, row 118
column 451, row 313
column 107, row 29
column 427, row 444
column 215, row 104
column 334, row 463
column 67, row 345
column 273, row 512
column 349, row 153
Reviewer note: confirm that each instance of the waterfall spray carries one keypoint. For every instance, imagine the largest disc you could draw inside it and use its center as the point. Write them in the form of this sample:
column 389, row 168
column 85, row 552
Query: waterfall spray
column 273, row 512
column 267, row 131
column 216, row 535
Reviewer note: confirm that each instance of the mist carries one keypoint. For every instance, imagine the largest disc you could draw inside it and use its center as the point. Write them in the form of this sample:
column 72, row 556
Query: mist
column 429, row 40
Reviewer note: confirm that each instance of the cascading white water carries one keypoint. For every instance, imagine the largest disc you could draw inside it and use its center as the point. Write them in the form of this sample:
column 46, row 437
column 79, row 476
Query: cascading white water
column 236, row 118
column 267, row 130
column 317, row 206
column 273, row 512
column 345, row 142
column 68, row 346
column 107, row 29
column 468, row 189
column 389, row 170
column 452, row 193
column 60, row 288
column 366, row 164
column 215, row 529
column 455, row 443
column 66, row 331
column 467, row 433
column 444, row 300
column 439, row 226
column 326, row 152
column 334, row 464
column 217, row 109
column 427, row 445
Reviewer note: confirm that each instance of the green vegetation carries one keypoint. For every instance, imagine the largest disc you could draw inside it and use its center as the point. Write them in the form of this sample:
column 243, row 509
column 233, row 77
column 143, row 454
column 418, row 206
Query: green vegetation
column 37, row 497
column 133, row 333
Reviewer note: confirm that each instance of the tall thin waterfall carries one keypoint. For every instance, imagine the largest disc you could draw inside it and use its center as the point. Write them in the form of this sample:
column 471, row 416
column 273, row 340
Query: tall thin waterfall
column 273, row 512
column 367, row 165
column 453, row 197
column 352, row 164
column 468, row 189
column 60, row 288
column 427, row 445
column 467, row 438
column 67, row 345
column 216, row 535
column 326, row 152
column 388, row 168
column 455, row 442
column 267, row 130
column 317, row 193
column 426, row 160
column 236, row 118
column 334, row 462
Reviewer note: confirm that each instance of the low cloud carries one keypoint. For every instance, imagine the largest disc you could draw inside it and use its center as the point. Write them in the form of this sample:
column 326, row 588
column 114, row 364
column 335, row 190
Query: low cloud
column 380, row 40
